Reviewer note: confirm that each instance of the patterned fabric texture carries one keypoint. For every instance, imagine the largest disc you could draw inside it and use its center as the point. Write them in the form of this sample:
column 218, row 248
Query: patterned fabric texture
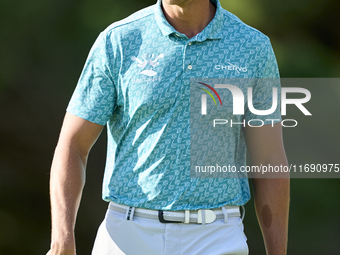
column 136, row 80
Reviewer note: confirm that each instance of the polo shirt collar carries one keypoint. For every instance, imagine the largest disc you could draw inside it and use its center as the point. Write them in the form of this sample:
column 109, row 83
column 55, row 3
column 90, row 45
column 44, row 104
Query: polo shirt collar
column 211, row 31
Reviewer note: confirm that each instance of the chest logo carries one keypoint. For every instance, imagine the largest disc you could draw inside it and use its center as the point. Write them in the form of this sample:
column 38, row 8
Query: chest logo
column 232, row 67
column 149, row 62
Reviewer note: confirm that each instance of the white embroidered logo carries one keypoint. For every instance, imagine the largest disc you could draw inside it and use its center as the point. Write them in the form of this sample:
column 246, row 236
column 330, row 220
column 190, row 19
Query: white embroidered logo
column 147, row 59
column 232, row 67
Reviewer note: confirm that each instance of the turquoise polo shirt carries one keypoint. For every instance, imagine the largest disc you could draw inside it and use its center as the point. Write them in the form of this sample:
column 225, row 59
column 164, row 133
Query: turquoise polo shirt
column 136, row 80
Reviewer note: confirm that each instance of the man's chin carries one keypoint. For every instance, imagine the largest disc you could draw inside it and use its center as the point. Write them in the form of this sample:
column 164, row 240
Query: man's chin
column 177, row 2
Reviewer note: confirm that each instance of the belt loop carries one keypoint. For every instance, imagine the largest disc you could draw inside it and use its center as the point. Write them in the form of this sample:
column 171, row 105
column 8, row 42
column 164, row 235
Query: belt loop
column 225, row 214
column 243, row 212
column 129, row 213
column 203, row 217
column 187, row 216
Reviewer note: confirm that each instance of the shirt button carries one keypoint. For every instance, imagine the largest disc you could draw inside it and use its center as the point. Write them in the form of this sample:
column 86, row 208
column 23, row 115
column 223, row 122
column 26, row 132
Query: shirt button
column 189, row 67
column 189, row 43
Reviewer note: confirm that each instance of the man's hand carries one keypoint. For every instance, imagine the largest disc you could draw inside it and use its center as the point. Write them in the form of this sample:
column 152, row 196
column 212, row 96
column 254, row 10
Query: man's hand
column 71, row 250
column 68, row 179
column 265, row 146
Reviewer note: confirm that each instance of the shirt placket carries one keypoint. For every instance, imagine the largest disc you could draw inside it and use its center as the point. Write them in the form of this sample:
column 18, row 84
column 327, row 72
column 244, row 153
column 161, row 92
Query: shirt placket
column 189, row 62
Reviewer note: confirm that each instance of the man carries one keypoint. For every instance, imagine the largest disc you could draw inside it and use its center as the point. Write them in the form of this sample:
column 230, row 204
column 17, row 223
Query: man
column 137, row 81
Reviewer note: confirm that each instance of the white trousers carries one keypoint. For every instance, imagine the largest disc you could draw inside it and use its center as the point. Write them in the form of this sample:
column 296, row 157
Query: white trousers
column 140, row 236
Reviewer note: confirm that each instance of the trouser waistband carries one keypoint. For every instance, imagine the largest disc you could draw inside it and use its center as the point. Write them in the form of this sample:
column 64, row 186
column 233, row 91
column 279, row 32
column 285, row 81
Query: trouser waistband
column 201, row 216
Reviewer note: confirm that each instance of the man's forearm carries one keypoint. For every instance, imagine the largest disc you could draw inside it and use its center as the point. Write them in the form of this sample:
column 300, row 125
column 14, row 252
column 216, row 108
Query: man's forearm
column 265, row 145
column 272, row 209
column 68, row 178
column 66, row 185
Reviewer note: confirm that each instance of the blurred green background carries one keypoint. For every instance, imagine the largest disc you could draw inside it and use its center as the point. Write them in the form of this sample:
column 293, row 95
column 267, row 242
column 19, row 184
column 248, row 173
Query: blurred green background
column 44, row 45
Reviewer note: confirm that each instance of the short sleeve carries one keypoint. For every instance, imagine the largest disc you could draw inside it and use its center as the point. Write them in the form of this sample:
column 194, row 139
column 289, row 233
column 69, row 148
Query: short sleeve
column 267, row 78
column 94, row 98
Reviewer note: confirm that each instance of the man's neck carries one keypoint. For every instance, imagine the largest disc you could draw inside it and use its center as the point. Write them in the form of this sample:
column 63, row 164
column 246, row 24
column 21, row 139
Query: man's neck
column 189, row 17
